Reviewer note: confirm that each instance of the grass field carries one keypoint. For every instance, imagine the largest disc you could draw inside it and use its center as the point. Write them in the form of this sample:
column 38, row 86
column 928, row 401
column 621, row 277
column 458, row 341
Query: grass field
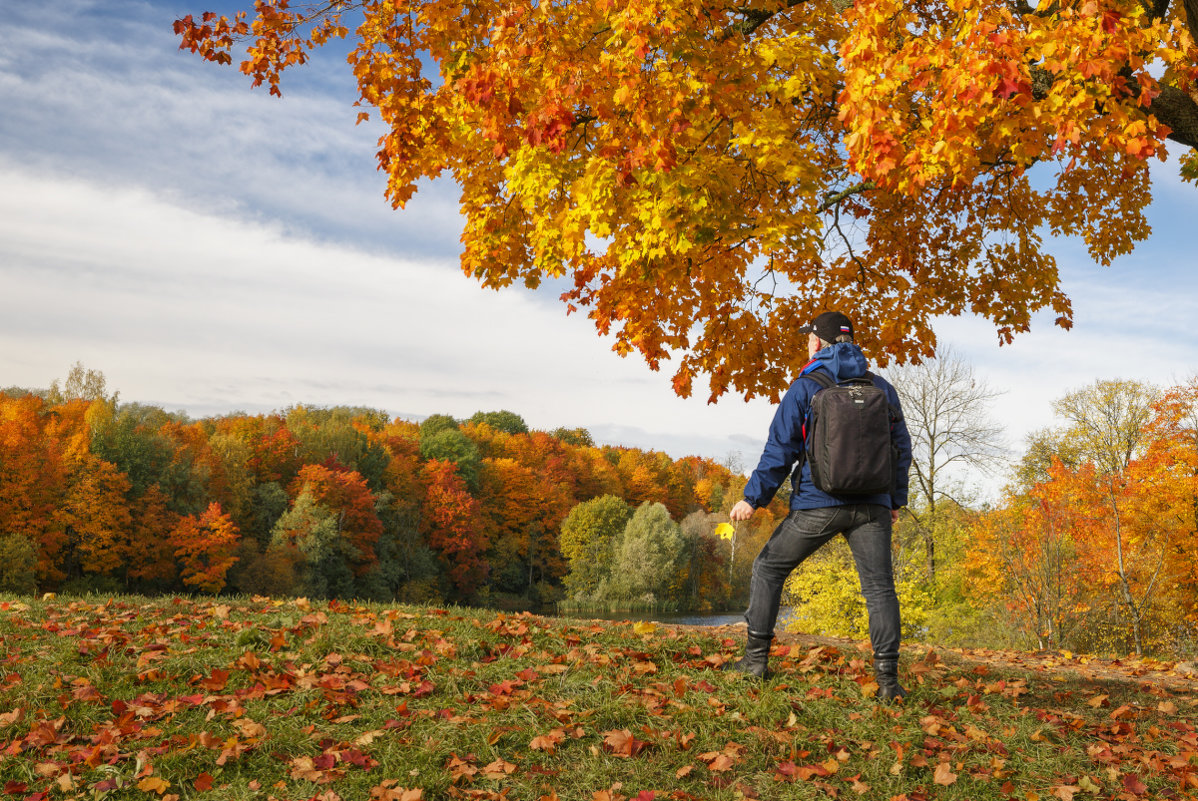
column 133, row 698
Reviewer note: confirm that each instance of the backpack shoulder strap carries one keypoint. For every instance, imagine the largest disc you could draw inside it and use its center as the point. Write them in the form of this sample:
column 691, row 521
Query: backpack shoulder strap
column 821, row 377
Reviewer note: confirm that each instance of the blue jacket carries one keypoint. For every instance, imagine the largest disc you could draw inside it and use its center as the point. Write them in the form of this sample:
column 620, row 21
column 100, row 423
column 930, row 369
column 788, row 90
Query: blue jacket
column 785, row 444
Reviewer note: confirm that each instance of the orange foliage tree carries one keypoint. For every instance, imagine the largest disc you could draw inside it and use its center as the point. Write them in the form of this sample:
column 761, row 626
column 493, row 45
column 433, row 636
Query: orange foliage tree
column 1101, row 555
column 345, row 494
column 32, row 474
column 521, row 512
column 1025, row 556
column 205, row 545
column 450, row 524
column 152, row 555
column 705, row 174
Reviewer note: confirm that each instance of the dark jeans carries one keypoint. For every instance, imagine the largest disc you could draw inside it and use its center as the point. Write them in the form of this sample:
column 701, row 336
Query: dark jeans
column 867, row 529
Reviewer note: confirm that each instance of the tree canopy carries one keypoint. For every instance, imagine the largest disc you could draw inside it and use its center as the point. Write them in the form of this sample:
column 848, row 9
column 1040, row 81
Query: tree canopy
column 703, row 176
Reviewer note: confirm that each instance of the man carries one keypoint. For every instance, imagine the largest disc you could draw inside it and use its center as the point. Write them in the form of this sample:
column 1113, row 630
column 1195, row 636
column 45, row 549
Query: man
column 817, row 516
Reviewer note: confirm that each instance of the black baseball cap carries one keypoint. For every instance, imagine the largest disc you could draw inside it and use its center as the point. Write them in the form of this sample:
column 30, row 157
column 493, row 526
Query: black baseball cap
column 828, row 326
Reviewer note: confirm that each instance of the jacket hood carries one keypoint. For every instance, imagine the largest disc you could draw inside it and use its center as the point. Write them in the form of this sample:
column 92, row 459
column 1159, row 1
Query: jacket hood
column 843, row 360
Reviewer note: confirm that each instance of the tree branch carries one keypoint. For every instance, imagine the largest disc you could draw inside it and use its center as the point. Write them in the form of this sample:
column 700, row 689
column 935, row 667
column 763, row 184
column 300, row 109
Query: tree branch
column 1191, row 7
column 754, row 18
column 835, row 198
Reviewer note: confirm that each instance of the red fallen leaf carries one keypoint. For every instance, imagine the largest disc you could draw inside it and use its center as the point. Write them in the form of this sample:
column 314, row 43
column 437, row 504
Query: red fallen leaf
column 528, row 674
column 355, row 757
column 1133, row 784
column 216, row 682
column 645, row 795
column 622, row 743
column 203, row 782
column 806, row 772
column 426, row 688
column 15, row 788
column 786, row 772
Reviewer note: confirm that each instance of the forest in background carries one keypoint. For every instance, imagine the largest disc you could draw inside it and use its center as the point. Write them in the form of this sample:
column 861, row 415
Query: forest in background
column 1092, row 546
column 97, row 495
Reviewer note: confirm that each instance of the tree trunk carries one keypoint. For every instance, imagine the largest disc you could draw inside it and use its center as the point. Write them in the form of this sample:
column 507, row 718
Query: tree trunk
column 1123, row 582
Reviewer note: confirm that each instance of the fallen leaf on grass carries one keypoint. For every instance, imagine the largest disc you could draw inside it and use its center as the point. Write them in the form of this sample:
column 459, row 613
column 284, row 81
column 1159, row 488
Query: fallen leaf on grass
column 153, row 784
column 944, row 775
column 498, row 769
column 1134, row 785
column 622, row 743
column 856, row 785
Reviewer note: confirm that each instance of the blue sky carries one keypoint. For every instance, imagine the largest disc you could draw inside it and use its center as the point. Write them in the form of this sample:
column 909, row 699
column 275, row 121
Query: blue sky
column 211, row 248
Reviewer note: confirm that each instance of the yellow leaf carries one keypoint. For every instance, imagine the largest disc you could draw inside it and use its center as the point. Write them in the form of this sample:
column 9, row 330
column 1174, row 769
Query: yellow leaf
column 153, row 784
column 644, row 627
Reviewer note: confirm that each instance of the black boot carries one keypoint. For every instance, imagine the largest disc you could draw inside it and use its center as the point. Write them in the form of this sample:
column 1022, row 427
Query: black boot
column 886, row 673
column 757, row 656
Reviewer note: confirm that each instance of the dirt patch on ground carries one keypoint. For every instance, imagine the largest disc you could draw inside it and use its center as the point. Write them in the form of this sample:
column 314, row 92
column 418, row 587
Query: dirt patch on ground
column 1174, row 678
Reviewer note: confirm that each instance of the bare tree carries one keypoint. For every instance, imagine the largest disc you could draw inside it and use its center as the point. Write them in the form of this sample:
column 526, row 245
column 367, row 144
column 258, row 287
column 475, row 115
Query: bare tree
column 946, row 408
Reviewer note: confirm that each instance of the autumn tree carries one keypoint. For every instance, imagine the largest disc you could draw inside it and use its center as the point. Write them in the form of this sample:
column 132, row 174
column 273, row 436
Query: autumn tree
column 946, row 410
column 578, row 437
column 1026, row 554
column 334, row 526
column 451, row 445
column 81, row 384
column 1107, row 421
column 520, row 515
column 152, row 557
column 703, row 175
column 205, row 545
column 503, row 420
column 449, row 522
column 705, row 584
column 340, row 436
column 32, row 480
column 588, row 536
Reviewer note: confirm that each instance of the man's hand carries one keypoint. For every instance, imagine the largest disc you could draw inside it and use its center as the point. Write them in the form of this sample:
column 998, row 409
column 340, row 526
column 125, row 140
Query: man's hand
column 742, row 511
column 893, row 516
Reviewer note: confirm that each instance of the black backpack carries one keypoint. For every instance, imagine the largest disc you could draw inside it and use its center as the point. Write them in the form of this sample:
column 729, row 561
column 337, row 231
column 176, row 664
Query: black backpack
column 848, row 442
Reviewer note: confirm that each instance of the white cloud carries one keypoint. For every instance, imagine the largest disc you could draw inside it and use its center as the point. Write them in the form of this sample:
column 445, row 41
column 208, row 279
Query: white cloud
column 144, row 234
column 205, row 313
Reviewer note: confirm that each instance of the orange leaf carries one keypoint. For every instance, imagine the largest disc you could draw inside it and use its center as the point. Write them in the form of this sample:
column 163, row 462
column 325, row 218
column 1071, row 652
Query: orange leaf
column 944, row 775
column 153, row 784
